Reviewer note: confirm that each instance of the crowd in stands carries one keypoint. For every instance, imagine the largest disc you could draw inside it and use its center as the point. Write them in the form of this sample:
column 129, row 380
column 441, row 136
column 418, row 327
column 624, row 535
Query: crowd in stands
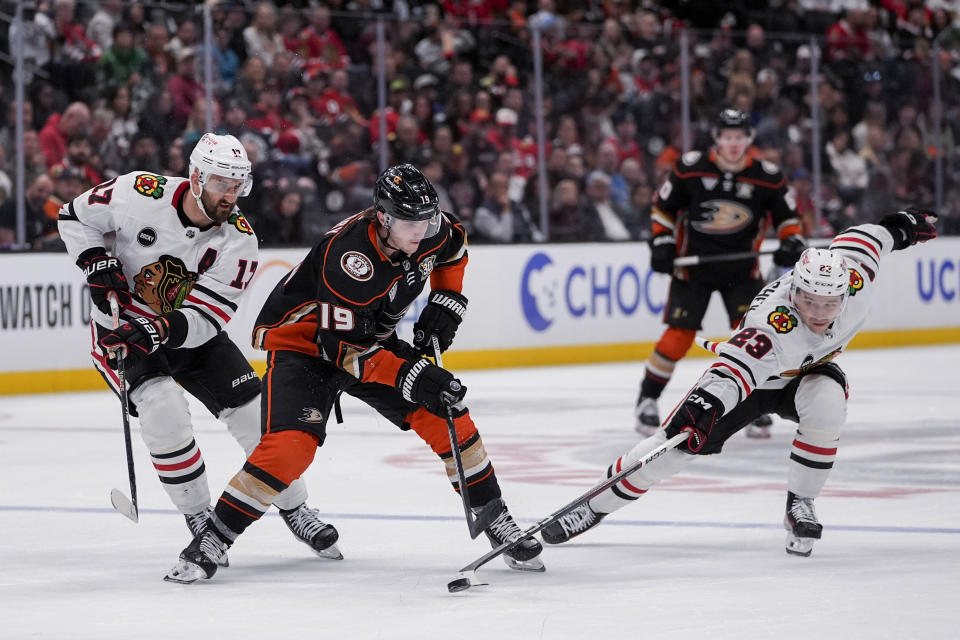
column 115, row 87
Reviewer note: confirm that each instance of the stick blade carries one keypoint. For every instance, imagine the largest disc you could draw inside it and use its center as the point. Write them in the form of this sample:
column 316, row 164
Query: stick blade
column 484, row 518
column 463, row 581
column 123, row 505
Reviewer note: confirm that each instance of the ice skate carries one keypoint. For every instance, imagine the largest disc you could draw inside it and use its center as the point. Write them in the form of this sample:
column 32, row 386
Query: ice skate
column 199, row 561
column 309, row 529
column 196, row 522
column 802, row 526
column 760, row 428
column 524, row 556
column 647, row 416
column 578, row 521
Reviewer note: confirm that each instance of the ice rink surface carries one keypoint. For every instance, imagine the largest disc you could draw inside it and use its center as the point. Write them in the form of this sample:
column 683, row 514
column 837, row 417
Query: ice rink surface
column 701, row 556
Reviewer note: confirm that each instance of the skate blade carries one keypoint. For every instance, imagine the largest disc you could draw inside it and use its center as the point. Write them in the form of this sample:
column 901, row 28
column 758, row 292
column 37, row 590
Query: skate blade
column 330, row 553
column 802, row 547
column 534, row 565
column 185, row 573
column 224, row 561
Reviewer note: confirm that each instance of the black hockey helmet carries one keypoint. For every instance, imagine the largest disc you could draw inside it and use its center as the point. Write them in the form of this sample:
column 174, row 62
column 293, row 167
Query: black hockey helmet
column 732, row 119
column 406, row 194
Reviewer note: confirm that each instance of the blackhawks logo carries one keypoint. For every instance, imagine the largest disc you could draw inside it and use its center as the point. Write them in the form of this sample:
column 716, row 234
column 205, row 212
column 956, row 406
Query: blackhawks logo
column 150, row 185
column 237, row 220
column 164, row 284
column 782, row 320
column 856, row 282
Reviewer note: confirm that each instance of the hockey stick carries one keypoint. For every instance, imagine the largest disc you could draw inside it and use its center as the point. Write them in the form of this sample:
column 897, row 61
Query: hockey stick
column 466, row 577
column 124, row 505
column 475, row 523
column 689, row 261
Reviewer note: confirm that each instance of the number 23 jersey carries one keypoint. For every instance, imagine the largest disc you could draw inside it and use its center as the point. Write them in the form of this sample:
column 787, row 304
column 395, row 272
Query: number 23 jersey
column 170, row 263
column 773, row 345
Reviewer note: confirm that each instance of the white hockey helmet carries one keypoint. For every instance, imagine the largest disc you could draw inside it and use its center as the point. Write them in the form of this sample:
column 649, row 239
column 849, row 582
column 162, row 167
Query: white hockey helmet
column 821, row 272
column 221, row 155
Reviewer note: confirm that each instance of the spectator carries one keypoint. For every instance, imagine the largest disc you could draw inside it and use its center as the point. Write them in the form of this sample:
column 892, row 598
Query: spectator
column 122, row 63
column 125, row 125
column 39, row 34
column 500, row 219
column 849, row 168
column 77, row 162
column 38, row 224
column 566, row 215
column 284, row 224
column 176, row 163
column 157, row 119
column 261, row 38
column 602, row 218
column 101, row 28
column 53, row 137
column 184, row 88
column 319, row 44
column 185, row 38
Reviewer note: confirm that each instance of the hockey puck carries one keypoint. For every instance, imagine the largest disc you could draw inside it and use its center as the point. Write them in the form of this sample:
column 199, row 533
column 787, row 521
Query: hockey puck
column 459, row 584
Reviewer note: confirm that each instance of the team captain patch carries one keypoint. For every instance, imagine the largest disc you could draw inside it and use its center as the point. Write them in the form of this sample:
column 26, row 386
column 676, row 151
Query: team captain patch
column 150, row 185
column 357, row 265
column 782, row 320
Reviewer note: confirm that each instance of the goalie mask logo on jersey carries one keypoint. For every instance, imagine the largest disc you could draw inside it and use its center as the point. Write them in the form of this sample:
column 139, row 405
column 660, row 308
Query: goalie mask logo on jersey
column 782, row 320
column 164, row 284
column 238, row 221
column 147, row 184
column 856, row 282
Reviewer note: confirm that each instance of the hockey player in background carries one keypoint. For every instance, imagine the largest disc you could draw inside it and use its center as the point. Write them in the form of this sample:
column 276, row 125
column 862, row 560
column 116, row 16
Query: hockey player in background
column 328, row 326
column 713, row 204
column 780, row 360
column 189, row 253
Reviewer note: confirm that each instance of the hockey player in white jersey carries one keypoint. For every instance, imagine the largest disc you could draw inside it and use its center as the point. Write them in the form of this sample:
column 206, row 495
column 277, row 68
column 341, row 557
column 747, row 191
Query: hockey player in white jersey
column 779, row 360
column 189, row 253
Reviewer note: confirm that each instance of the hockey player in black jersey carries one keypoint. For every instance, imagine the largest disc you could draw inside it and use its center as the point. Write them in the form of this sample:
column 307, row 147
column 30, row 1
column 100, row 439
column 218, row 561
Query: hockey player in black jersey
column 712, row 204
column 328, row 327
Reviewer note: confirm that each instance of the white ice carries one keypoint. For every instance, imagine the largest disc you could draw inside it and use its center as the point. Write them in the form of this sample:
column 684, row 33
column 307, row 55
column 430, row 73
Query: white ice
column 701, row 556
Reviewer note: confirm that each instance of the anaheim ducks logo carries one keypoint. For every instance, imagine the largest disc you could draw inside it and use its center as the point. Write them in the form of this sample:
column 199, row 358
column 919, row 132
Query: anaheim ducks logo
column 164, row 284
column 147, row 184
column 237, row 220
column 722, row 216
column 856, row 282
column 782, row 320
column 808, row 363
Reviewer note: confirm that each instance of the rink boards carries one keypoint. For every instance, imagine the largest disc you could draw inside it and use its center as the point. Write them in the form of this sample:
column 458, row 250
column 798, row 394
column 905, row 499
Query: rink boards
column 529, row 305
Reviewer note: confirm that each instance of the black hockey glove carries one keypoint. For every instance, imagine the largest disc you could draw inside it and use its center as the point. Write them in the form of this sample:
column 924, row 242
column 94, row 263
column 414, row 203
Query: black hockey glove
column 910, row 226
column 426, row 384
column 789, row 251
column 104, row 275
column 663, row 249
column 698, row 414
column 441, row 317
column 133, row 339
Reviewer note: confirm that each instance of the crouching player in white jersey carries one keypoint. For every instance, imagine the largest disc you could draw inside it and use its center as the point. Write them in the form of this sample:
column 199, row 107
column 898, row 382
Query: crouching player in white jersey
column 780, row 360
column 189, row 253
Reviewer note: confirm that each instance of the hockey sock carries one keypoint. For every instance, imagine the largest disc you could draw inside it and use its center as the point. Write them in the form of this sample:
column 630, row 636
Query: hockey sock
column 822, row 408
column 279, row 459
column 672, row 346
column 183, row 476
column 477, row 468
column 637, row 483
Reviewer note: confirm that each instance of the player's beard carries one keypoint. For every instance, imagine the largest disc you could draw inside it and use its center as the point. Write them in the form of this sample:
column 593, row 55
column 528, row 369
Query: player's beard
column 218, row 211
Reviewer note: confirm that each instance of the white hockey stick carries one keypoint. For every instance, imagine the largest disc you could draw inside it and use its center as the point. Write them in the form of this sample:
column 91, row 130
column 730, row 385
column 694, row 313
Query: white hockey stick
column 123, row 504
column 467, row 576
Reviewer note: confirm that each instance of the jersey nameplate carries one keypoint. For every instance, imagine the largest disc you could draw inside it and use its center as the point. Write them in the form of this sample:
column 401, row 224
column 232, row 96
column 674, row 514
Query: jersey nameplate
column 356, row 265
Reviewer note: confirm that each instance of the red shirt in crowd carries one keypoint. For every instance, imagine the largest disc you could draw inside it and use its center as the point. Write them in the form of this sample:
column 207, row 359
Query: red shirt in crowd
column 53, row 143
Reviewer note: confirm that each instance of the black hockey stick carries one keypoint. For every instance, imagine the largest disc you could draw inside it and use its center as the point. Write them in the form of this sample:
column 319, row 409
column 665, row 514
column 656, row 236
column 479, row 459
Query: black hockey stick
column 124, row 505
column 476, row 523
column 689, row 261
column 467, row 576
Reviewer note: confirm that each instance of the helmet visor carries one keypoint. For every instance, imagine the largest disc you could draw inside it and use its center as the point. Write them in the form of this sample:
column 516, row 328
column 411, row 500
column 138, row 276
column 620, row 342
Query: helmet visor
column 413, row 230
column 226, row 186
